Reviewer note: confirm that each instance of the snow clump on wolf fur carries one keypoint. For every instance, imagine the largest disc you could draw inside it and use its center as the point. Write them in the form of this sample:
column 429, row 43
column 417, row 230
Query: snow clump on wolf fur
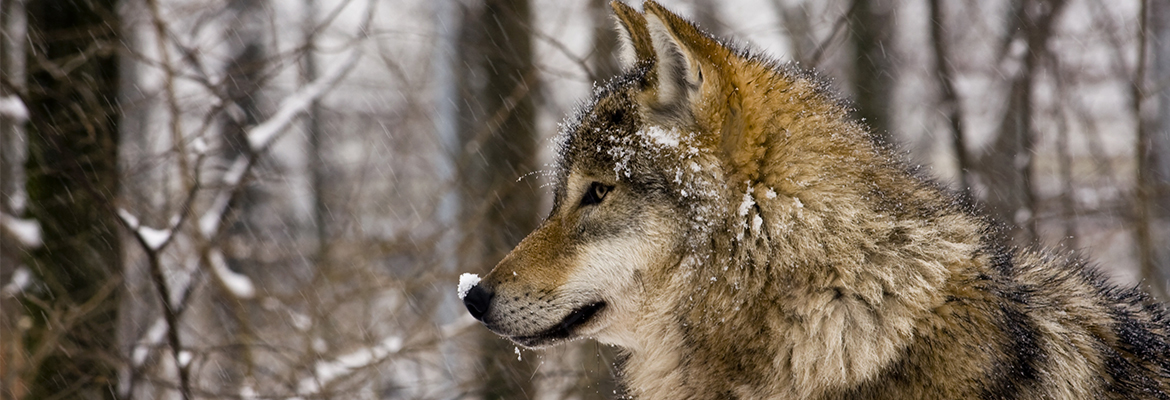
column 688, row 168
column 693, row 173
column 744, row 207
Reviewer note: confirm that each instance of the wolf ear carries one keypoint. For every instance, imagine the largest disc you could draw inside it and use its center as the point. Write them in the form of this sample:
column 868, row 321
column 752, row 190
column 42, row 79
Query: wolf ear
column 680, row 49
column 633, row 35
column 693, row 78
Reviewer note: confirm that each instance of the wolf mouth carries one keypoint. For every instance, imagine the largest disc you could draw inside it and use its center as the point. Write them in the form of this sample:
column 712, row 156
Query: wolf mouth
column 563, row 329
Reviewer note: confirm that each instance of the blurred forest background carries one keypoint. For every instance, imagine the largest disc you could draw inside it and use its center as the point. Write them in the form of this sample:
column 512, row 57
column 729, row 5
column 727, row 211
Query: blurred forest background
column 247, row 199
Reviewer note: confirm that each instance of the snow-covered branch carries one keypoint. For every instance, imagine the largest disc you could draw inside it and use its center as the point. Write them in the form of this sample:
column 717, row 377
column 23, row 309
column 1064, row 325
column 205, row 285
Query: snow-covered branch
column 21, row 279
column 13, row 109
column 152, row 238
column 237, row 284
column 153, row 336
column 25, row 231
column 209, row 221
column 261, row 136
column 325, row 372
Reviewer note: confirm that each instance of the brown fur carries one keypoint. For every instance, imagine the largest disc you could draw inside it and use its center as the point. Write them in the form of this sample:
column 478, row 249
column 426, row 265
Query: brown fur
column 756, row 243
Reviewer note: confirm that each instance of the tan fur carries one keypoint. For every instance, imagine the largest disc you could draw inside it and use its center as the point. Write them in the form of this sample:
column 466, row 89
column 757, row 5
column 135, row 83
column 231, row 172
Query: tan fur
column 756, row 244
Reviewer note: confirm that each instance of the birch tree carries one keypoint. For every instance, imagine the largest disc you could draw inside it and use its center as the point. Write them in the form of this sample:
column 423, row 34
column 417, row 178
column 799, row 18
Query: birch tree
column 18, row 235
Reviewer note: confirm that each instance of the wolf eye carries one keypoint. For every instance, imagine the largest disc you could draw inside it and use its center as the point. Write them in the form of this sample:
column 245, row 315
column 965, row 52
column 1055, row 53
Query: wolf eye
column 596, row 193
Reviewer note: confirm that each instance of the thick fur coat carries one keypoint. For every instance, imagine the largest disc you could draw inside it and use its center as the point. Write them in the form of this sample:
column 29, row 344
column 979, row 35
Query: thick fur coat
column 722, row 219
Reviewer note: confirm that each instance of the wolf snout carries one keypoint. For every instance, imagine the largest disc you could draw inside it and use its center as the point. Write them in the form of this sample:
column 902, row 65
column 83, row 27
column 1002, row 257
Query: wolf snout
column 477, row 301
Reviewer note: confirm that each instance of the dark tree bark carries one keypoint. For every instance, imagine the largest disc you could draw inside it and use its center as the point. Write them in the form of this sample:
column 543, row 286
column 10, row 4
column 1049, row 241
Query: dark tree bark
column 1152, row 208
column 504, row 148
column 603, row 61
column 1160, row 137
column 1159, row 21
column 499, row 146
column 871, row 32
column 1068, row 210
column 72, row 179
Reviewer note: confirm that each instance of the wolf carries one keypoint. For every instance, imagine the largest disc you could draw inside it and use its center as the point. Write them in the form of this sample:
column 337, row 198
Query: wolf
column 723, row 220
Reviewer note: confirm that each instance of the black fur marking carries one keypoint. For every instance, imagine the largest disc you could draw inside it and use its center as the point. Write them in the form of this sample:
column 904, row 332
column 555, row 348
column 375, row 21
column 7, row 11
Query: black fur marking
column 622, row 390
column 1129, row 380
column 1001, row 260
column 1140, row 323
column 617, row 117
column 1017, row 369
column 1137, row 341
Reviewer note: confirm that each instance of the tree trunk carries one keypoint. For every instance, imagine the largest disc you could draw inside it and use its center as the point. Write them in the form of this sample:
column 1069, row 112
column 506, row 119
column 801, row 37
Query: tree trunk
column 1005, row 167
column 871, row 32
column 72, row 179
column 498, row 210
column 258, row 217
column 13, row 197
column 318, row 173
column 1152, row 219
column 950, row 106
column 603, row 62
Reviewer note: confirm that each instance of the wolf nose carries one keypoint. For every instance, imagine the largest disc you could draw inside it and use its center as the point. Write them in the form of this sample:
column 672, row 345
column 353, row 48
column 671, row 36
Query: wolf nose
column 477, row 301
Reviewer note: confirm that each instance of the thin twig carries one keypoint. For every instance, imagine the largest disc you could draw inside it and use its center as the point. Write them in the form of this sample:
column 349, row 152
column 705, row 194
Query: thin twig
column 161, row 36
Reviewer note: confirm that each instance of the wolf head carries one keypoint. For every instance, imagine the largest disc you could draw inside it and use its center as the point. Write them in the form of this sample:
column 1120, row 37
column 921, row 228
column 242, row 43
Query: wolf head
column 650, row 176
